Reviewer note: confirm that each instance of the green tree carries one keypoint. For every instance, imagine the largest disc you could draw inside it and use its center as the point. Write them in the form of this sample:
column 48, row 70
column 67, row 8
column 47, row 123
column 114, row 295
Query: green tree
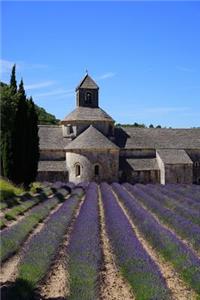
column 8, row 103
column 32, row 144
column 13, row 81
column 20, row 136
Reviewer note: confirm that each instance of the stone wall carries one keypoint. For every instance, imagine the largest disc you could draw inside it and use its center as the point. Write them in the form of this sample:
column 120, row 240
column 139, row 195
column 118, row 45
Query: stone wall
column 52, row 155
column 144, row 177
column 180, row 173
column 107, row 160
column 138, row 153
column 73, row 130
column 52, row 176
column 195, row 157
column 162, row 168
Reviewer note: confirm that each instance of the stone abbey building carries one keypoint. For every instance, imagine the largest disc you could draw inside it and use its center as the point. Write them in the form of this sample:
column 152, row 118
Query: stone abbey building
column 87, row 146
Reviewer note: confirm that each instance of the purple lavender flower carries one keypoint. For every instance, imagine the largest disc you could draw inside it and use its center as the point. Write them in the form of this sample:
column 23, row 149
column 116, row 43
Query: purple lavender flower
column 43, row 247
column 84, row 250
column 185, row 228
column 166, row 243
column 134, row 262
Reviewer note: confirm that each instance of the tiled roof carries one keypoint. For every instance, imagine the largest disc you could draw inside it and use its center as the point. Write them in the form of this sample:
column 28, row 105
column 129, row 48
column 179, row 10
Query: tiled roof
column 88, row 114
column 141, row 164
column 51, row 137
column 52, row 166
column 157, row 138
column 174, row 156
column 87, row 83
column 91, row 138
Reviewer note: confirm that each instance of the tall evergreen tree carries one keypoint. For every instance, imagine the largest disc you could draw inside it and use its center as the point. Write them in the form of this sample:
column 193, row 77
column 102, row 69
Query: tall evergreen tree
column 33, row 144
column 8, row 102
column 20, row 137
column 13, row 82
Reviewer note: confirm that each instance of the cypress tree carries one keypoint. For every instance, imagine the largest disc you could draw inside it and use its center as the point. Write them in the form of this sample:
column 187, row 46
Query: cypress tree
column 8, row 104
column 20, row 137
column 33, row 144
column 13, row 82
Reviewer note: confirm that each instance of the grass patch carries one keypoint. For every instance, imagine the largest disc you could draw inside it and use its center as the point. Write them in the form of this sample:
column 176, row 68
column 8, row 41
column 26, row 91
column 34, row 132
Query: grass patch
column 9, row 190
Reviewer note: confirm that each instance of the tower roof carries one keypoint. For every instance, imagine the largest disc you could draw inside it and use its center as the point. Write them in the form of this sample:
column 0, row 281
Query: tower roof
column 88, row 114
column 91, row 138
column 87, row 83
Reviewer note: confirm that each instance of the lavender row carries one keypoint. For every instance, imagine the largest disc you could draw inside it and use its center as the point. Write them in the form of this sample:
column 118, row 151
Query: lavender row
column 165, row 242
column 188, row 213
column 84, row 251
column 42, row 249
column 12, row 238
column 190, row 192
column 189, row 201
column 185, row 228
column 135, row 263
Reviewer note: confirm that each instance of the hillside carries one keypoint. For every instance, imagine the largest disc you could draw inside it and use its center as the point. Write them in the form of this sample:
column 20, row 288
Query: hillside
column 44, row 117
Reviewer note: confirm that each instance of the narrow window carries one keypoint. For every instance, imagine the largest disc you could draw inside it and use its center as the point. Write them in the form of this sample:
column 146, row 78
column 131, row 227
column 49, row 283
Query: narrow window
column 78, row 170
column 96, row 170
column 88, row 98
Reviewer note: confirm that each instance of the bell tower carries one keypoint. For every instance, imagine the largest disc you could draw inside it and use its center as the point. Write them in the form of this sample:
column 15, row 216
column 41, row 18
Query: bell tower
column 87, row 93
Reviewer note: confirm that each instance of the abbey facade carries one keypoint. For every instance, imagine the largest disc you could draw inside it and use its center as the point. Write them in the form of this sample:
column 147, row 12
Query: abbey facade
column 87, row 146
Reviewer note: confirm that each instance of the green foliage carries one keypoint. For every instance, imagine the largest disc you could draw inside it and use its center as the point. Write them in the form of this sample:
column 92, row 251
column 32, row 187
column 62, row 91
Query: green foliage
column 32, row 146
column 13, row 82
column 19, row 134
column 20, row 209
column 137, row 125
column 131, row 125
column 8, row 190
column 17, row 234
column 44, row 118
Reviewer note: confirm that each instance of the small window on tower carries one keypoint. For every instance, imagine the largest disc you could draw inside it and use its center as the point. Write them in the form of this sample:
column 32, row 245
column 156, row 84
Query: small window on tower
column 88, row 98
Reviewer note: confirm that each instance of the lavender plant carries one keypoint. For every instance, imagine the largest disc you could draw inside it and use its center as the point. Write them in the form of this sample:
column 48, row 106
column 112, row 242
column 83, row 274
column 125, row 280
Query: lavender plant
column 84, row 252
column 43, row 247
column 183, row 227
column 174, row 205
column 135, row 263
column 189, row 202
column 22, row 208
column 164, row 241
column 12, row 238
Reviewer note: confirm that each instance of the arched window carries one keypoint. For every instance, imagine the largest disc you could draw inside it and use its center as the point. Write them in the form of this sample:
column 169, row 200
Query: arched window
column 77, row 170
column 88, row 97
column 96, row 170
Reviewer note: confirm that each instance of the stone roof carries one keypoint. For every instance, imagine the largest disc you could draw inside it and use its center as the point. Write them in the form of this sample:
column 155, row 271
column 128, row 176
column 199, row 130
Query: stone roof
column 87, row 83
column 88, row 114
column 51, row 137
column 174, row 156
column 157, row 138
column 52, row 166
column 143, row 164
column 91, row 138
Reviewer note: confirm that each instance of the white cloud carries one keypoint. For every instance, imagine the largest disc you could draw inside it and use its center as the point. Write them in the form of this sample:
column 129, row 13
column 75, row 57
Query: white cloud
column 38, row 85
column 184, row 69
column 58, row 92
column 6, row 65
column 106, row 75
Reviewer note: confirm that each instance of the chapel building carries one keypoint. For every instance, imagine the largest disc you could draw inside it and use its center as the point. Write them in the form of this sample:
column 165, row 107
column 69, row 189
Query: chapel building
column 87, row 146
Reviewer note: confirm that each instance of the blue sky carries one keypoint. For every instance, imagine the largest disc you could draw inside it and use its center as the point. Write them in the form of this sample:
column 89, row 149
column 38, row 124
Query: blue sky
column 145, row 56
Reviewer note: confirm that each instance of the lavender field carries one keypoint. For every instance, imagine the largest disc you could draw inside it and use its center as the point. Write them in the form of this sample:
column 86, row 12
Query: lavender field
column 107, row 241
